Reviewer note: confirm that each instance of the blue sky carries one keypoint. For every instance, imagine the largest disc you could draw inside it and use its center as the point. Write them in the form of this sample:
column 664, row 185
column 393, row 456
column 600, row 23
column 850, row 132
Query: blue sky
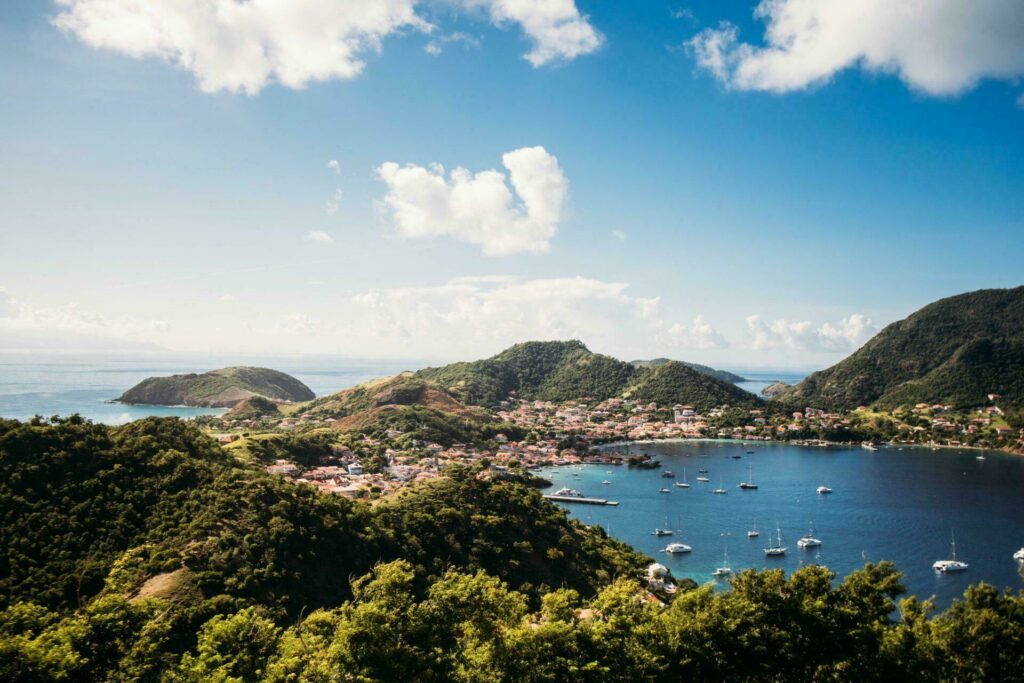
column 690, row 177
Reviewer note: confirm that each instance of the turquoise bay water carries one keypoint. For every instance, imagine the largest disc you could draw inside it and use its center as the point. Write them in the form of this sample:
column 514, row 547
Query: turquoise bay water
column 890, row 504
column 62, row 386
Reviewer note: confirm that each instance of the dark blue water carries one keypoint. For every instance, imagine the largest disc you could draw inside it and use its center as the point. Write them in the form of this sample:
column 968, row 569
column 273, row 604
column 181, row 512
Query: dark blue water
column 890, row 504
column 62, row 386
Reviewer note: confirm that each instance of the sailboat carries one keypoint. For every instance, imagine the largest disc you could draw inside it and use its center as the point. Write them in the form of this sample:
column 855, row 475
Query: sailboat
column 749, row 484
column 951, row 565
column 809, row 541
column 682, row 484
column 778, row 549
column 720, row 489
column 753, row 533
column 725, row 570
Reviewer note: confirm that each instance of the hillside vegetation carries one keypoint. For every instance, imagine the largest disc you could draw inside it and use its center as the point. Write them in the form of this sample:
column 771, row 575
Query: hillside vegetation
column 143, row 553
column 954, row 351
column 560, row 371
column 723, row 375
column 222, row 388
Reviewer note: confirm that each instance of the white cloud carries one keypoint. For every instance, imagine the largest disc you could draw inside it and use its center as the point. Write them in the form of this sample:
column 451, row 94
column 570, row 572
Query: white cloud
column 698, row 335
column 801, row 335
column 227, row 298
column 319, row 236
column 466, row 314
column 619, row 235
column 437, row 45
column 332, row 205
column 557, row 28
column 334, row 166
column 24, row 326
column 480, row 208
column 243, row 46
column 940, row 47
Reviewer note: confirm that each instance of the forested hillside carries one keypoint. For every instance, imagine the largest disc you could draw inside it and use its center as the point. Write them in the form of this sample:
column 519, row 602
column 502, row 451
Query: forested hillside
column 954, row 351
column 145, row 553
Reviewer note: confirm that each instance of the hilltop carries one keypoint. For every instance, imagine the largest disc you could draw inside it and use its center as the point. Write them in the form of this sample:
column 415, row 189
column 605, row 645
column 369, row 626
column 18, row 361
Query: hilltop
column 954, row 351
column 561, row 371
column 222, row 388
column 723, row 375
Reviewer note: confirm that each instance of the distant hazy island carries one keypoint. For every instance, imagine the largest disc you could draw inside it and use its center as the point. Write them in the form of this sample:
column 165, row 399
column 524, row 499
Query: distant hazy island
column 224, row 388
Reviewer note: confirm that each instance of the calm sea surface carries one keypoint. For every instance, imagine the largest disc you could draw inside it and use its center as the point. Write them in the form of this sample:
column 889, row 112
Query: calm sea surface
column 890, row 504
column 62, row 386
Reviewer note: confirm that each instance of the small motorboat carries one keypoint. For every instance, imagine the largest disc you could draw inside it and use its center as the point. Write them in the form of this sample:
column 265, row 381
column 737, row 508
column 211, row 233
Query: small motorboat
column 979, row 457
column 702, row 478
column 702, row 470
column 606, row 482
column 661, row 532
column 668, row 474
column 663, row 490
column 1019, row 555
column 824, row 489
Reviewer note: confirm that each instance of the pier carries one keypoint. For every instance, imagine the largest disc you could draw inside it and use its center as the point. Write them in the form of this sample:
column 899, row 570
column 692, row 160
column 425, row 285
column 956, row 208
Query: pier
column 584, row 501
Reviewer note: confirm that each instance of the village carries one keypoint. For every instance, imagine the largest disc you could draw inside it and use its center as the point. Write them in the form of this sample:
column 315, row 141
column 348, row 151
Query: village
column 365, row 466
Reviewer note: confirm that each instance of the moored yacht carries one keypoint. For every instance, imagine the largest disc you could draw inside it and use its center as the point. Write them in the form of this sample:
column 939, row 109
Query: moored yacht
column 668, row 474
column 720, row 489
column 777, row 549
column 677, row 548
column 808, row 540
column 702, row 478
column 663, row 490
column 661, row 532
column 753, row 533
column 823, row 489
column 566, row 491
column 749, row 483
column 606, row 482
column 1019, row 555
column 725, row 570
column 951, row 565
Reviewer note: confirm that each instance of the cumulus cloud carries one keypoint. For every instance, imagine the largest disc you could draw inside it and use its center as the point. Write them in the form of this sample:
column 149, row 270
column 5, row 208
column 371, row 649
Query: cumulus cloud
column 491, row 311
column 24, row 326
column 319, row 236
column 334, row 166
column 480, row 208
column 801, row 335
column 940, row 47
column 243, row 46
column 558, row 30
column 700, row 335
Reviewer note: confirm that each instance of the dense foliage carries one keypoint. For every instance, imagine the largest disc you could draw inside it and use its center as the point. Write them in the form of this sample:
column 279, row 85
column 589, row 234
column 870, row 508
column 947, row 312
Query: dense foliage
column 144, row 553
column 723, row 375
column 560, row 371
column 954, row 351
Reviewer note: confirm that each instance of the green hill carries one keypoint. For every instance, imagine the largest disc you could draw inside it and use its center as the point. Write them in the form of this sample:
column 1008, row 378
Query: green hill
column 954, row 351
column 222, row 388
column 560, row 371
column 723, row 375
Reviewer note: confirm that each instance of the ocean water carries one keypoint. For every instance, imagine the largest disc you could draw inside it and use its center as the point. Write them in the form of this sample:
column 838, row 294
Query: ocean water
column 62, row 386
column 757, row 379
column 891, row 504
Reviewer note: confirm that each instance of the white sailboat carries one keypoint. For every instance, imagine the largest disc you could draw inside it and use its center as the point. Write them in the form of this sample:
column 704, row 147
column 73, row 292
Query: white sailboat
column 721, row 488
column 749, row 483
column 725, row 570
column 683, row 484
column 809, row 541
column 776, row 550
column 753, row 533
column 951, row 565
